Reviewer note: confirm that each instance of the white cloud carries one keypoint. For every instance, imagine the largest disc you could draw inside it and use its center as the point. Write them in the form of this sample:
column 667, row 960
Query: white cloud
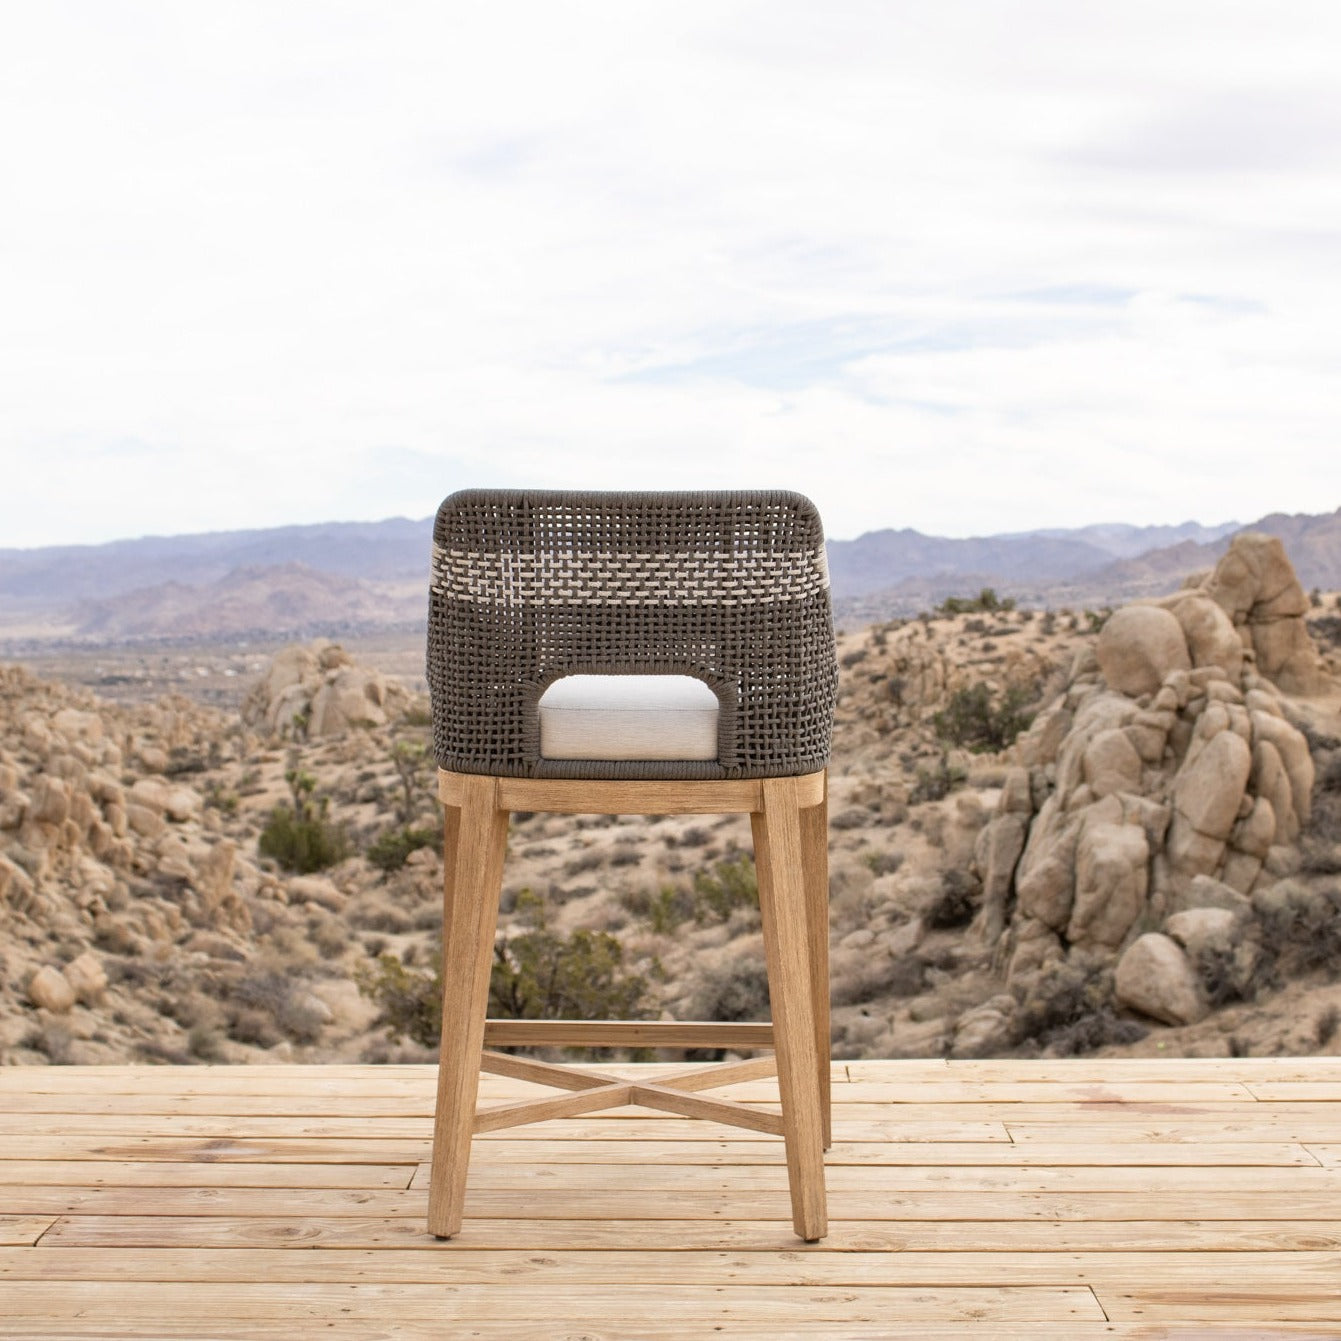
column 959, row 266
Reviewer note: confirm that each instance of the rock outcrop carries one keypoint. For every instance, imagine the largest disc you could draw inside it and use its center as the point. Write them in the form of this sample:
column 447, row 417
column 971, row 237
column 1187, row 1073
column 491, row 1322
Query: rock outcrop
column 315, row 690
column 1166, row 786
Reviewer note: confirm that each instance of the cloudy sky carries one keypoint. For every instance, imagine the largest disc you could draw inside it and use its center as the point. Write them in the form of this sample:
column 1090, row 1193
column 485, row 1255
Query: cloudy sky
column 967, row 266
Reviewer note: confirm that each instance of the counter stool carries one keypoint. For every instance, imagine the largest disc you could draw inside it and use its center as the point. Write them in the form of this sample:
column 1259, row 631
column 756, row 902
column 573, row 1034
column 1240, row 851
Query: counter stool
column 634, row 653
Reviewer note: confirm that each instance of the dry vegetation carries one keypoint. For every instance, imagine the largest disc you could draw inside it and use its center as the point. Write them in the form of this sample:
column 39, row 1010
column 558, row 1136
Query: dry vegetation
column 154, row 861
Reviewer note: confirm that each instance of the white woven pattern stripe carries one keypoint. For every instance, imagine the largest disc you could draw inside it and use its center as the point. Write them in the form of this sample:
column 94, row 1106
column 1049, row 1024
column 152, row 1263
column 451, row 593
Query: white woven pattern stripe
column 671, row 578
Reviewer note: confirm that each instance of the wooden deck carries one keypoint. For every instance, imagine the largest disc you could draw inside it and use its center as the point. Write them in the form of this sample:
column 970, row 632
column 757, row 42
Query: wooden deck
column 992, row 1199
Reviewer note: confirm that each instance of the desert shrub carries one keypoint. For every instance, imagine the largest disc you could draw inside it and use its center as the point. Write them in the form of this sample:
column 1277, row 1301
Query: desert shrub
column 391, row 848
column 330, row 936
column 985, row 602
column 852, row 817
column 904, row 976
column 728, row 886
column 590, row 860
column 1223, row 978
column 732, row 993
column 663, row 911
column 883, row 863
column 409, row 758
column 205, row 1043
column 934, row 783
column 1069, row 1012
column 248, row 1025
column 539, row 975
column 1300, row 930
column 299, row 836
column 221, row 799
column 976, row 720
column 536, row 975
column 266, row 1005
column 1326, row 629
column 409, row 1001
column 373, row 914
column 954, row 905
column 1325, row 1026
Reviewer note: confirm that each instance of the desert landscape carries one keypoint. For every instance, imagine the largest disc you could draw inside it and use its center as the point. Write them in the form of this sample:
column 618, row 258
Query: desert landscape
column 1054, row 831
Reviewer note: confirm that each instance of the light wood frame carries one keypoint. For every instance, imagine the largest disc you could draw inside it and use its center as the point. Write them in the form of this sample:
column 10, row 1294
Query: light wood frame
column 789, row 822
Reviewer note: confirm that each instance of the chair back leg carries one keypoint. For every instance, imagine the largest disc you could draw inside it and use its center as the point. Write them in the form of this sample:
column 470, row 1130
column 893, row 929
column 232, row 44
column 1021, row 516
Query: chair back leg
column 783, row 905
column 815, row 859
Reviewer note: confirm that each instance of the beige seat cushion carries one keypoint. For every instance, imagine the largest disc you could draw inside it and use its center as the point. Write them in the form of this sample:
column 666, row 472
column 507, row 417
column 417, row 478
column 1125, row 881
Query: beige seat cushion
column 628, row 717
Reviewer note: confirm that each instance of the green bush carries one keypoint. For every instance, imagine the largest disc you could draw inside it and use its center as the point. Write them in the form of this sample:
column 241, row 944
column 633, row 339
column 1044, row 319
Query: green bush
column 539, row 975
column 730, row 885
column 975, row 720
column 985, row 602
column 536, row 975
column 390, row 850
column 935, row 783
column 303, row 842
column 299, row 836
column 409, row 1002
column 663, row 911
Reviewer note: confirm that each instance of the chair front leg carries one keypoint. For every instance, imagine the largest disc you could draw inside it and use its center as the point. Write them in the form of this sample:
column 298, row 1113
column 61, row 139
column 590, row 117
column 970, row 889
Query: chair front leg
column 475, row 840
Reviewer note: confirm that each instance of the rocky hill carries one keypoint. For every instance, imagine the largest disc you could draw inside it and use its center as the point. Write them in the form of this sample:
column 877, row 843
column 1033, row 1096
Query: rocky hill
column 251, row 601
column 1051, row 831
column 340, row 578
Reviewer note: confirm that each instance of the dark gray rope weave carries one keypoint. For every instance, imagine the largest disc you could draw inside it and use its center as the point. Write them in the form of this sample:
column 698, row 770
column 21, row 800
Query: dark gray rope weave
column 732, row 587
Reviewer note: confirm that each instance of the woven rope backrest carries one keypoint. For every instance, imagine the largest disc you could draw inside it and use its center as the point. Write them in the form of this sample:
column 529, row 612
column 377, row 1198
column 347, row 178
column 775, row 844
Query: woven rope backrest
column 732, row 587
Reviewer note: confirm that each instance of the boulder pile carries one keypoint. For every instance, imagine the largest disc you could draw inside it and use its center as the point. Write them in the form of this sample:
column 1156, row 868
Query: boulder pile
column 1162, row 794
column 105, row 849
column 315, row 690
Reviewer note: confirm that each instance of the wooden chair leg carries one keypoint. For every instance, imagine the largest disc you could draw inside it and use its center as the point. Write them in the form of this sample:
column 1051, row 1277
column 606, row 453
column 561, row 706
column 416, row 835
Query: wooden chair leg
column 473, row 850
column 782, row 903
column 815, row 862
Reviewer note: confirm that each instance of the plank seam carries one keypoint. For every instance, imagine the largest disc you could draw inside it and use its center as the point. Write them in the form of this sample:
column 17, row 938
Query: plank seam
column 1098, row 1303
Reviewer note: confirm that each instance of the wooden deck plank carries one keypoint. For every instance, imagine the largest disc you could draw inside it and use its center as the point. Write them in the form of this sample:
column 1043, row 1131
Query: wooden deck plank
column 726, row 1203
column 853, row 1100
column 691, row 1306
column 1243, row 1070
column 1210, row 1271
column 605, row 1127
column 1288, row 1302
column 1139, row 1180
column 1294, row 1090
column 1097, row 1129
column 181, row 1173
column 260, row 1329
column 353, row 1150
column 293, row 1079
column 1098, row 1068
column 23, row 1230
column 674, row 1236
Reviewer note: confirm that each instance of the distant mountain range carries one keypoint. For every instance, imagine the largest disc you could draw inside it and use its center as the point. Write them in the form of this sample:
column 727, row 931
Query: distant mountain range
column 342, row 576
